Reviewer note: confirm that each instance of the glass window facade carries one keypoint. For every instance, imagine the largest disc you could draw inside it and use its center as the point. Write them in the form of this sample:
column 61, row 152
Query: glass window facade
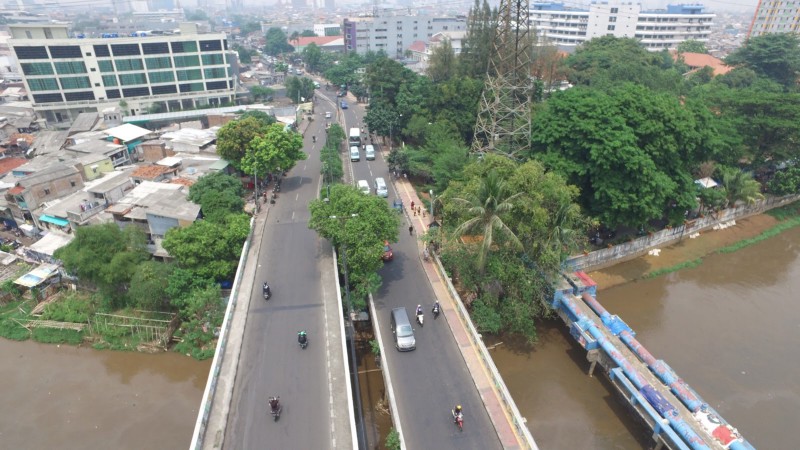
column 110, row 80
column 184, row 47
column 187, row 61
column 33, row 69
column 75, row 83
column 70, row 67
column 43, row 84
column 128, row 79
column 189, row 75
column 216, row 72
column 124, row 65
column 162, row 62
column 161, row 77
column 213, row 59
column 106, row 66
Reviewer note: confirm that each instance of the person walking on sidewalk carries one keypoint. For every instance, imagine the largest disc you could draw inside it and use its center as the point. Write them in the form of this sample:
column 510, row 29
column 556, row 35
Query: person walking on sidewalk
column 412, row 205
column 411, row 230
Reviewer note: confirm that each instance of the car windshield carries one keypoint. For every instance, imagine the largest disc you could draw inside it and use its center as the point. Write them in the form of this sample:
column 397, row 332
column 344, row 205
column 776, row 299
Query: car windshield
column 405, row 330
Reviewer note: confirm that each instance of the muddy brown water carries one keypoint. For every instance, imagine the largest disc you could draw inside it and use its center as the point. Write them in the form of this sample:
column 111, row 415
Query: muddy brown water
column 728, row 327
column 78, row 398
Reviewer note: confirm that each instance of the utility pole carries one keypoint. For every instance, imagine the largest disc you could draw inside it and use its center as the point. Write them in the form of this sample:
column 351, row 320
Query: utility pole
column 504, row 118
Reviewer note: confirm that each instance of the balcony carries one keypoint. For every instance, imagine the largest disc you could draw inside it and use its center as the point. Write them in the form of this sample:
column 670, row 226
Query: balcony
column 81, row 216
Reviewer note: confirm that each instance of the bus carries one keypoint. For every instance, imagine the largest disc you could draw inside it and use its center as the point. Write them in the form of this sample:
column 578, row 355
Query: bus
column 355, row 137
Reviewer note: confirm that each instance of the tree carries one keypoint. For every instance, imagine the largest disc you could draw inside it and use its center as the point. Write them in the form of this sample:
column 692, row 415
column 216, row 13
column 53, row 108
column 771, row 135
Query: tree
column 261, row 116
column 234, row 137
column 105, row 256
column 740, row 186
column 385, row 78
column 299, row 89
column 786, row 182
column 774, row 55
column 262, row 93
column 308, row 33
column 276, row 150
column 211, row 250
column 245, row 54
column 486, row 207
column 312, row 55
column 692, row 46
column 361, row 224
column 218, row 195
column 442, row 64
column 276, row 42
column 147, row 285
column 479, row 42
column 282, row 67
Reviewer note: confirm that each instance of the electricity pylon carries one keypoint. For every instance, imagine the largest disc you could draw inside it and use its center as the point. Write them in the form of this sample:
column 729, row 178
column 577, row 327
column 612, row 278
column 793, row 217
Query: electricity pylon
column 504, row 119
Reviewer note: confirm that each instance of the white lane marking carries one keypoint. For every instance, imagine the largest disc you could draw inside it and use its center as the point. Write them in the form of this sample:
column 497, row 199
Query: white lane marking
column 296, row 196
column 292, row 216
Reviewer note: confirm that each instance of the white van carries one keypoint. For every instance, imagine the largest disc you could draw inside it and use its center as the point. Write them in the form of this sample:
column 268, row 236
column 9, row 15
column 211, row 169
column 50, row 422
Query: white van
column 380, row 188
column 355, row 155
column 363, row 186
column 370, row 151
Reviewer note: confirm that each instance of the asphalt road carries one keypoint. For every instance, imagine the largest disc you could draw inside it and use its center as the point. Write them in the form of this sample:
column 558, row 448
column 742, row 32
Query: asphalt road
column 432, row 379
column 295, row 263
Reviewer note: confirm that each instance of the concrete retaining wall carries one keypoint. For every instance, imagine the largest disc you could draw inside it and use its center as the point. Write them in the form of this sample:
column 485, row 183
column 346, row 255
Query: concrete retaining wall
column 618, row 253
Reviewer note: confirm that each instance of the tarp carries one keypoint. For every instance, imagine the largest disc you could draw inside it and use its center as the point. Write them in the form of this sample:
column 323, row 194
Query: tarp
column 706, row 182
column 37, row 275
column 53, row 220
column 51, row 242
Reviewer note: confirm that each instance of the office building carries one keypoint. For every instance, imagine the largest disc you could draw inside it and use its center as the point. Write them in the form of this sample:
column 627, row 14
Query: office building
column 395, row 34
column 657, row 30
column 65, row 76
column 775, row 17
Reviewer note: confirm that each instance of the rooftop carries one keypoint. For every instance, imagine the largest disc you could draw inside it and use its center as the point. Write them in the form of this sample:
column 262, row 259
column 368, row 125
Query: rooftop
column 97, row 147
column 192, row 136
column 151, row 172
column 48, row 142
column 9, row 164
column 84, row 122
column 48, row 174
column 109, row 181
column 138, row 195
column 127, row 132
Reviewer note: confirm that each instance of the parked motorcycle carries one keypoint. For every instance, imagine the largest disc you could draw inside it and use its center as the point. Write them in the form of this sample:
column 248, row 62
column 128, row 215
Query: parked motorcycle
column 458, row 419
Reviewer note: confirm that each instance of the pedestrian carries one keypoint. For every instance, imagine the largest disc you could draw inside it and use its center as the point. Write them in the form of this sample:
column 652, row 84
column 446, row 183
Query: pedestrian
column 412, row 205
column 415, row 213
column 411, row 230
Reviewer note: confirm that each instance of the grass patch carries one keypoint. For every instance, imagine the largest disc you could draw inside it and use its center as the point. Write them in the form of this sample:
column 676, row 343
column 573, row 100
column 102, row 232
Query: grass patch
column 675, row 268
column 56, row 336
column 786, row 212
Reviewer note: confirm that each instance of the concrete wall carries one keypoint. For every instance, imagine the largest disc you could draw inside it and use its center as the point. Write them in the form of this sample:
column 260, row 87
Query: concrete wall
column 159, row 224
column 618, row 253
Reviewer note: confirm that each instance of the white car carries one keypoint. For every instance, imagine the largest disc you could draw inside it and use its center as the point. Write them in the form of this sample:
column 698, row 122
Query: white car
column 363, row 186
column 327, row 114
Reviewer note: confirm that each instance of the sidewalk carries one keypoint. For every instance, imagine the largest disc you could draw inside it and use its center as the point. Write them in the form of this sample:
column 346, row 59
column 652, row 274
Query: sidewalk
column 480, row 374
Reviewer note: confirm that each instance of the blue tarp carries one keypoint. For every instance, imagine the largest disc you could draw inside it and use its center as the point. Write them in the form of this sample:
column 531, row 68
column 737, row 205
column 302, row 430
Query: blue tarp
column 54, row 220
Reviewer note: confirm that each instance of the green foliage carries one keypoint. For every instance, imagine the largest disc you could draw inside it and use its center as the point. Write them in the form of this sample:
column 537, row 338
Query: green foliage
column 773, row 55
column 209, row 249
column 203, row 312
column 73, row 308
column 245, row 54
column 441, row 159
column 312, row 56
column 9, row 315
column 785, row 182
column 262, row 93
column 332, row 168
column 692, row 46
column 106, row 256
column 478, row 44
column 443, row 64
column 299, row 89
column 740, row 186
column 712, row 199
column 486, row 316
column 275, row 150
column 358, row 224
column 8, row 287
column 235, row 136
column 56, row 336
column 393, row 440
column 277, row 42
column 218, row 195
column 375, row 347
column 147, row 285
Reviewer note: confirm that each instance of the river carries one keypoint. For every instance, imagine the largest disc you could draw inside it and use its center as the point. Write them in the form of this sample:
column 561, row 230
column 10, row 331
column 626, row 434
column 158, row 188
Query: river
column 58, row 396
column 728, row 327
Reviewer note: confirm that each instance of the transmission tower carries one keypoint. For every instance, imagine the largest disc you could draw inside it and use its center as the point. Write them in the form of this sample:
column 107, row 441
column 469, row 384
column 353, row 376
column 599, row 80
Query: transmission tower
column 504, row 118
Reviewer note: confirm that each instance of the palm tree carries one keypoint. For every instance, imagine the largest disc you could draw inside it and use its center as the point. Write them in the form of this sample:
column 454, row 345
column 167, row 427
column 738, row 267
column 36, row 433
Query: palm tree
column 485, row 208
column 741, row 186
column 562, row 238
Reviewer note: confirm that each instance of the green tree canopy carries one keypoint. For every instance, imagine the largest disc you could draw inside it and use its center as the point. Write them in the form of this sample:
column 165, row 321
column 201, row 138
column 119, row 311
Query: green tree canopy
column 218, row 195
column 261, row 116
column 147, row 285
column 277, row 42
column 312, row 56
column 479, row 42
column 692, row 46
column 260, row 93
column 211, row 250
column 299, row 89
column 773, row 55
column 443, row 64
column 276, row 149
column 234, row 137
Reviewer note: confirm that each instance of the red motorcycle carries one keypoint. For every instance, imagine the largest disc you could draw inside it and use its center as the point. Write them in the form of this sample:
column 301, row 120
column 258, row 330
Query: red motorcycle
column 458, row 419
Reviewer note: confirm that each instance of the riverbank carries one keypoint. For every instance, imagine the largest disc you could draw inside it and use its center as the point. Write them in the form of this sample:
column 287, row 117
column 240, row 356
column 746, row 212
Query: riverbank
column 690, row 252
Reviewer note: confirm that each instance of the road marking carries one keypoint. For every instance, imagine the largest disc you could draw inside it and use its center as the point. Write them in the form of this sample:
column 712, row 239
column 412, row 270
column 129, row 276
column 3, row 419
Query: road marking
column 292, row 215
column 296, row 196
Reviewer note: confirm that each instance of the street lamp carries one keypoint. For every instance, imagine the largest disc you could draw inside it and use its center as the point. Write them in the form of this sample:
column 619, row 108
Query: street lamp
column 431, row 192
column 354, row 371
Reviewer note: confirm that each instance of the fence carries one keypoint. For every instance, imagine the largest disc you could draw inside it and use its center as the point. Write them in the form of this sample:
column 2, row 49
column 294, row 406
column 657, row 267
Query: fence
column 511, row 408
column 211, row 385
column 618, row 253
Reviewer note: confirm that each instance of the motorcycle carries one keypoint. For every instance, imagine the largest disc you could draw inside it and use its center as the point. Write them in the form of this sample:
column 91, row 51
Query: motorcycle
column 420, row 319
column 458, row 419
column 275, row 407
column 267, row 292
column 302, row 339
column 435, row 310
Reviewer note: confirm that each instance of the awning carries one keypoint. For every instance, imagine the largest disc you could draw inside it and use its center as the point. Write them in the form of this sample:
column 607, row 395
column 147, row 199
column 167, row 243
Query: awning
column 54, row 220
column 37, row 275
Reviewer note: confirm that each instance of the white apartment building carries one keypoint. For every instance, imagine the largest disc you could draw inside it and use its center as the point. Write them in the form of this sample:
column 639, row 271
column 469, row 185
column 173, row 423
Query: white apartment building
column 773, row 16
column 395, row 34
column 657, row 29
column 65, row 76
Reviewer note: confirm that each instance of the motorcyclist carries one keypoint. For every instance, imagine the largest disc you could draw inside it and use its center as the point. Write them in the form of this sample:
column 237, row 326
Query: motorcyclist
column 436, row 308
column 274, row 404
column 302, row 338
column 313, row 138
column 267, row 290
column 419, row 310
column 457, row 413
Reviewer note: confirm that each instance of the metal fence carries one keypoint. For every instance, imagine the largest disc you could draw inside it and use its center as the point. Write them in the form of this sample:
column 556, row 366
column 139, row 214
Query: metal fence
column 617, row 253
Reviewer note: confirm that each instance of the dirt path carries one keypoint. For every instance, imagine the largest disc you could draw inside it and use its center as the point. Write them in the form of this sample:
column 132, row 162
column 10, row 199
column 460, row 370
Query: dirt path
column 687, row 250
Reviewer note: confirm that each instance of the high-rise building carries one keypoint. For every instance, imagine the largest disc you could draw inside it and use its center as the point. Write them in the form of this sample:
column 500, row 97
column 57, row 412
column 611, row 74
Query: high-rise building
column 394, row 34
column 660, row 29
column 65, row 76
column 774, row 16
